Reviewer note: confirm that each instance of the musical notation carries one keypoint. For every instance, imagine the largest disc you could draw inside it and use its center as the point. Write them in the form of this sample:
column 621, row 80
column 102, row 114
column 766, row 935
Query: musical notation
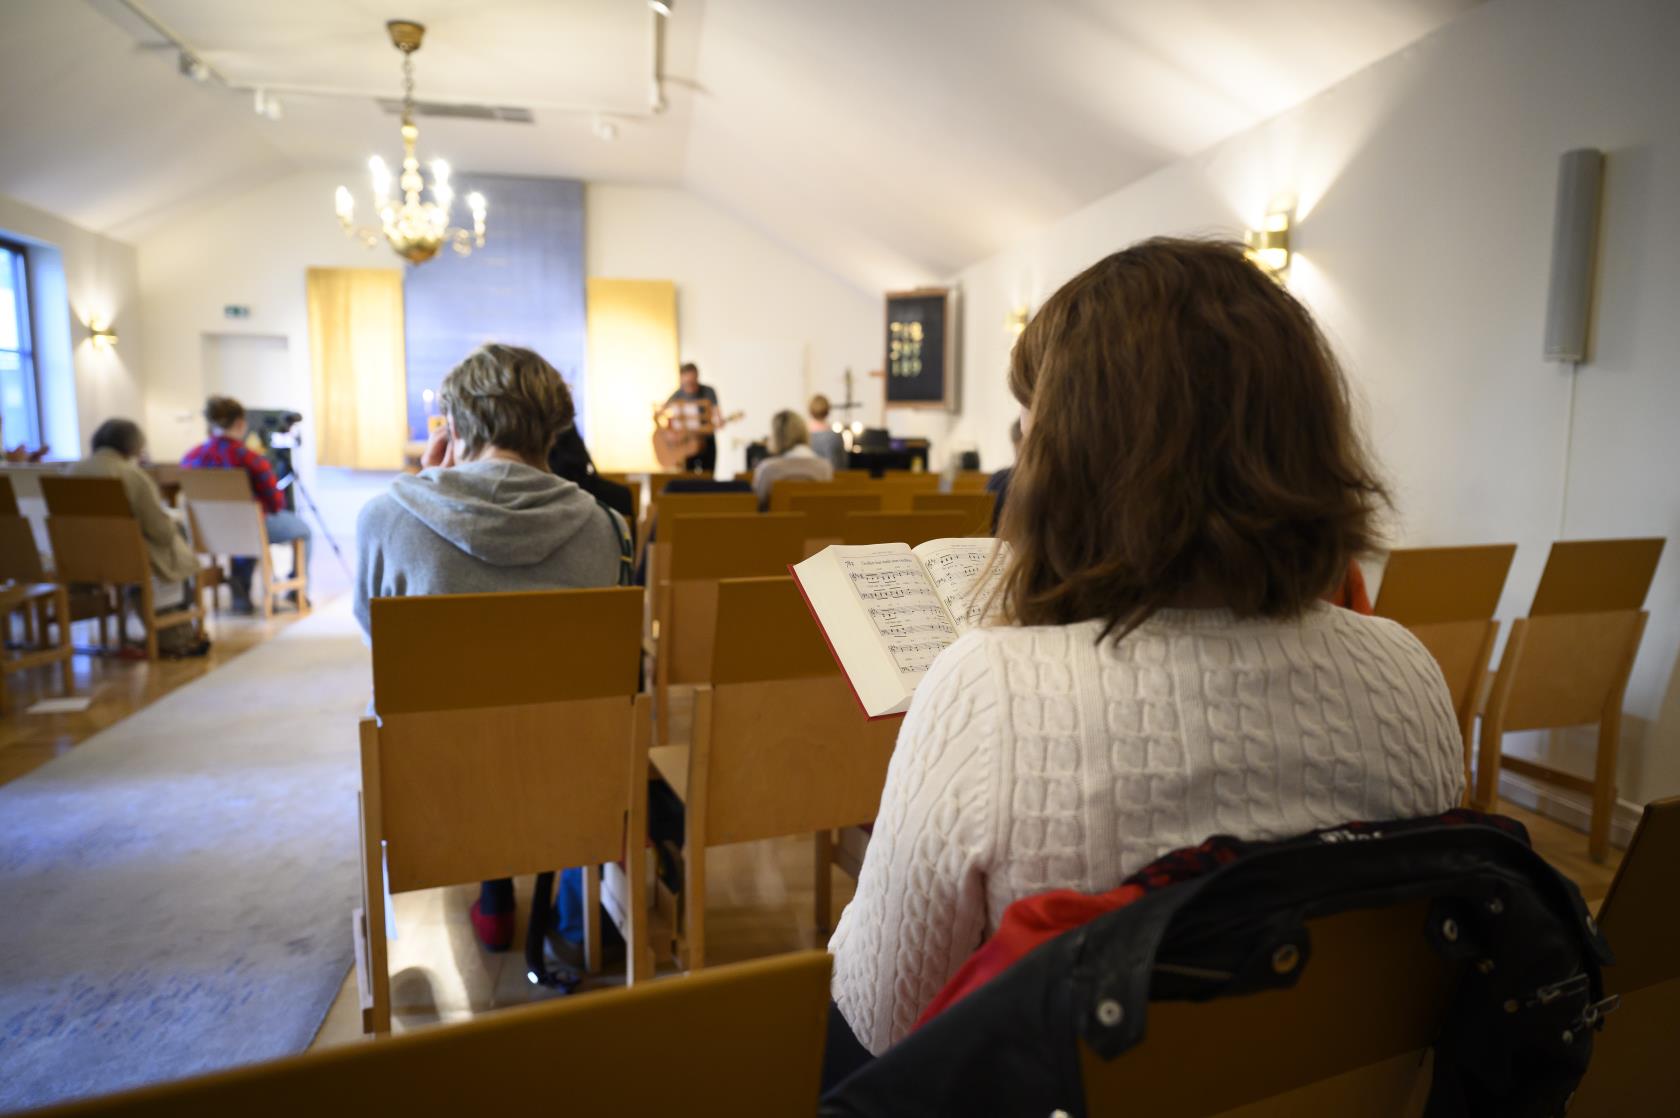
column 907, row 616
column 964, row 577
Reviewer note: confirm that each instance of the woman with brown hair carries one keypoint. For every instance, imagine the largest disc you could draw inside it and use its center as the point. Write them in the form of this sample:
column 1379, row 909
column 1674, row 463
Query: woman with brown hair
column 1189, row 484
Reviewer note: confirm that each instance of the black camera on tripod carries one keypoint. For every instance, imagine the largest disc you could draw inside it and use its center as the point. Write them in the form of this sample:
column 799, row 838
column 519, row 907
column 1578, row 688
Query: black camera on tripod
column 275, row 430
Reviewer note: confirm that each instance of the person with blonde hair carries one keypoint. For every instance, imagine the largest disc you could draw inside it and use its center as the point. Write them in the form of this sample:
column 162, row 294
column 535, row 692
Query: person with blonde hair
column 1190, row 482
column 791, row 457
column 485, row 514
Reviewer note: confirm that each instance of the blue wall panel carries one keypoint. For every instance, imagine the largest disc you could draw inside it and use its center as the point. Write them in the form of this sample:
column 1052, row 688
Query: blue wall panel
column 524, row 287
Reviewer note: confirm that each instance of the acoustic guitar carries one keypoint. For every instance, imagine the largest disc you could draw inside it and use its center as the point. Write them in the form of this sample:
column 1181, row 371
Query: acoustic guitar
column 675, row 442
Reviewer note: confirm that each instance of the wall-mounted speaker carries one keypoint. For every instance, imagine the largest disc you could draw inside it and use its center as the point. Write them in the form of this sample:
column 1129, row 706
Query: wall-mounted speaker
column 1574, row 252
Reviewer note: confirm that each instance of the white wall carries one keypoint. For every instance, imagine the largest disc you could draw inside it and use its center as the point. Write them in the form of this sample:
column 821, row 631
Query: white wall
column 250, row 250
column 766, row 326
column 1425, row 188
column 100, row 282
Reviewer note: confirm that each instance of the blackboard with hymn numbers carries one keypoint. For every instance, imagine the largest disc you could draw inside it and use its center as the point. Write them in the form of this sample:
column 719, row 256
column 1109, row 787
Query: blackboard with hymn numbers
column 920, row 359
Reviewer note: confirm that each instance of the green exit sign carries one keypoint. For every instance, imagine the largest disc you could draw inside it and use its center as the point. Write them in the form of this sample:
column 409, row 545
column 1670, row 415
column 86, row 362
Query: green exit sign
column 234, row 310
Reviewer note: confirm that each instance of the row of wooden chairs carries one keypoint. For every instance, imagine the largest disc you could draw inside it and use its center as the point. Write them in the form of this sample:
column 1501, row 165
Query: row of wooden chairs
column 516, row 756
column 1566, row 664
column 748, row 1039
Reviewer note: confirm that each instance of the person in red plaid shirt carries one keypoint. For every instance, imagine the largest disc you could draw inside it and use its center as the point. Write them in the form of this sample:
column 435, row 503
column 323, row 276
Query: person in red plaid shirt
column 225, row 449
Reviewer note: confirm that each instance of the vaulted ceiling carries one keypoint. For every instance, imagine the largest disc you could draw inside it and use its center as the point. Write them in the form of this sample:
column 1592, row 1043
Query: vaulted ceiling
column 889, row 140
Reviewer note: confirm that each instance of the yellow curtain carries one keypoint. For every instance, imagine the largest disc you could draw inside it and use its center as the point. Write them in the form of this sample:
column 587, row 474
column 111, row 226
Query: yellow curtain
column 356, row 348
column 632, row 367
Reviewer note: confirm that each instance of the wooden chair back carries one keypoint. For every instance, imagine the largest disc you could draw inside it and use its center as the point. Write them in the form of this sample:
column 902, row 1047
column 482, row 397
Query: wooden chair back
column 105, row 549
column 8, row 497
column 1565, row 669
column 851, row 476
column 1316, row 1048
column 25, row 483
column 784, row 493
column 1596, row 576
column 226, row 518
column 1463, row 649
column 20, row 559
column 788, row 750
column 85, row 496
column 976, row 507
column 738, row 1040
column 503, row 735
column 672, row 505
column 1633, row 1062
column 970, row 481
column 704, row 549
column 912, row 528
column 1425, row 585
column 825, row 514
column 899, row 488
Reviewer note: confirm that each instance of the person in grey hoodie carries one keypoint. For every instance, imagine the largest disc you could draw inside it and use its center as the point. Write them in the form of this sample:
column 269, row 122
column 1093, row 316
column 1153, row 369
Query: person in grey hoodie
column 484, row 514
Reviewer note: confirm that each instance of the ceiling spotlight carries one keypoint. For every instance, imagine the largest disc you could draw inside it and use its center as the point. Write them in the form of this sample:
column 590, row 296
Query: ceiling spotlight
column 605, row 129
column 663, row 7
column 267, row 105
column 191, row 67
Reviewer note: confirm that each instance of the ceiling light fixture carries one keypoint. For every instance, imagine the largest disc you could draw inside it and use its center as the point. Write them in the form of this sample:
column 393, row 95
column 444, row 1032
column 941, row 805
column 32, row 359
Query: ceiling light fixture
column 193, row 68
column 605, row 130
column 414, row 229
column 663, row 7
column 267, row 105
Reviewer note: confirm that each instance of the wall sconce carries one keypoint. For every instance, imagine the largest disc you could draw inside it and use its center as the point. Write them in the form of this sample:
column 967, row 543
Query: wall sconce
column 102, row 335
column 1268, row 246
column 1017, row 320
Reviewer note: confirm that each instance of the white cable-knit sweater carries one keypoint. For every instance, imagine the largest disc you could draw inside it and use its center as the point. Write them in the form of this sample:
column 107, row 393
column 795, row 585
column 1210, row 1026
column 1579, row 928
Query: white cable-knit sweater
column 1037, row 758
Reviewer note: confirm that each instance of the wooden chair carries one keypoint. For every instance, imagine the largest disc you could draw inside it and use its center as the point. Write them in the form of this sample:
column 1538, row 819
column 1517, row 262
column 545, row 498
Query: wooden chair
column 703, row 550
column 970, row 481
column 1447, row 597
column 23, row 559
column 848, row 477
column 672, row 505
column 1562, row 670
column 1568, row 663
column 167, row 475
column 228, row 521
column 499, row 748
column 27, row 591
column 913, row 528
column 743, row 1041
column 779, row 746
column 32, row 506
column 1463, row 649
column 976, row 507
column 825, row 514
column 1633, row 1065
column 96, row 539
column 1319, row 1047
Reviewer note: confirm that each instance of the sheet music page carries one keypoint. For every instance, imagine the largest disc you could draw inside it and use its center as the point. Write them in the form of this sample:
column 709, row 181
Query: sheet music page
column 901, row 606
column 956, row 567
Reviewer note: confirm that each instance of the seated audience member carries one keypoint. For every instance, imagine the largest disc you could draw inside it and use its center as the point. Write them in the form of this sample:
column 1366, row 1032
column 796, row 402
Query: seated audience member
column 998, row 483
column 225, row 449
column 1163, row 668
column 485, row 514
column 826, row 442
column 117, row 445
column 570, row 460
column 791, row 457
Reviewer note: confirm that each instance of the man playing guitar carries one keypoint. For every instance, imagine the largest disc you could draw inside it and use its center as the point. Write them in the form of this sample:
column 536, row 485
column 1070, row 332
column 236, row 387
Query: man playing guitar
column 691, row 415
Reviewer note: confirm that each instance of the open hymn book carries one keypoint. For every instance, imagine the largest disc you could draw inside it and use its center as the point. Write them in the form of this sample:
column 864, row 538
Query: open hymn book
column 888, row 609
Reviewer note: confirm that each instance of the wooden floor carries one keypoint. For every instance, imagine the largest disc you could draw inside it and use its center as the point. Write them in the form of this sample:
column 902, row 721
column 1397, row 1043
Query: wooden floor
column 118, row 688
column 759, row 895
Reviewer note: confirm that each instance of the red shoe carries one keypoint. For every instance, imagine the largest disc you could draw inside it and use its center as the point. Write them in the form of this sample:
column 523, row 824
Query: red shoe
column 495, row 933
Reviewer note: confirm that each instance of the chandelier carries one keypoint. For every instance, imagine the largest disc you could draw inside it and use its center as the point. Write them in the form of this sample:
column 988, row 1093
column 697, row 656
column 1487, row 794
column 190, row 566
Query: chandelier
column 414, row 228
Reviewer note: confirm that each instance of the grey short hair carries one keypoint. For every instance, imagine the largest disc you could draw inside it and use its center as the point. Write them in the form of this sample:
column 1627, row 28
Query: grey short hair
column 121, row 435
